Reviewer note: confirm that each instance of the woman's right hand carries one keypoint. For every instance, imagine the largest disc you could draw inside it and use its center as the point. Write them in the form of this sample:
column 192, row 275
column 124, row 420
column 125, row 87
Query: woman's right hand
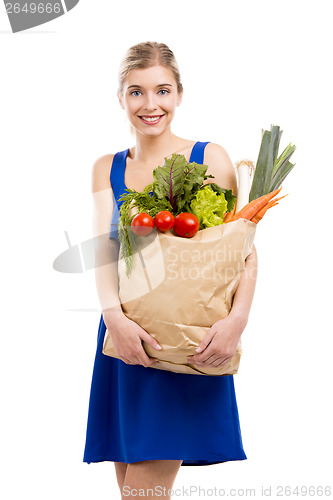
column 126, row 336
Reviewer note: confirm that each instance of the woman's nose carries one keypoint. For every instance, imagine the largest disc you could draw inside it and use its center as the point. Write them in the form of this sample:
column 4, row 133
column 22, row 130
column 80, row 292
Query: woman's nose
column 150, row 102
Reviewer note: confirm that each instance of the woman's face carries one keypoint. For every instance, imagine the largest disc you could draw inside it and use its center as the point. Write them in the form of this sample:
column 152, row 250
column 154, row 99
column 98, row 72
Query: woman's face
column 150, row 98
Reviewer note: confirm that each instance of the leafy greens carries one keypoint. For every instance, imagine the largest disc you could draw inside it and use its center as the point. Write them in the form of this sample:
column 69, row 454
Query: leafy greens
column 178, row 187
column 177, row 181
column 209, row 207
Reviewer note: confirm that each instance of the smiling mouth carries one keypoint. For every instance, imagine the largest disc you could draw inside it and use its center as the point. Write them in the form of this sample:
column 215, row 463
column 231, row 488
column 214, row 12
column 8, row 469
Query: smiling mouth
column 151, row 119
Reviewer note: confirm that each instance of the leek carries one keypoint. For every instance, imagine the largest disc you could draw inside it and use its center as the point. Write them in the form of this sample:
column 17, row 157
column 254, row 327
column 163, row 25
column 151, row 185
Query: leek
column 282, row 167
column 244, row 171
column 270, row 169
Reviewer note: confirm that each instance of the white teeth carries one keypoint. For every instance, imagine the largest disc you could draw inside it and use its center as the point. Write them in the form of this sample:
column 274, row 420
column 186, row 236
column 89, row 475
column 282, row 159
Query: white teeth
column 150, row 119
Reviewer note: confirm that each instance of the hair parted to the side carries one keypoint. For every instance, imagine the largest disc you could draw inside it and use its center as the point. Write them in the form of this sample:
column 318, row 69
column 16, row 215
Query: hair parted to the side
column 146, row 54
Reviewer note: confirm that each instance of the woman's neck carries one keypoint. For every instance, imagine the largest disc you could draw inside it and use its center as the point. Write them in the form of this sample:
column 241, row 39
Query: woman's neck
column 148, row 149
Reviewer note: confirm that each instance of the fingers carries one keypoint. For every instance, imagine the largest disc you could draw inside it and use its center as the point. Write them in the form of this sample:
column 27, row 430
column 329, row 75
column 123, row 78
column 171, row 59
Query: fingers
column 144, row 360
column 218, row 363
column 134, row 350
column 210, row 359
column 153, row 361
column 138, row 361
column 149, row 339
column 203, row 357
column 126, row 360
column 205, row 341
column 142, row 355
column 140, row 358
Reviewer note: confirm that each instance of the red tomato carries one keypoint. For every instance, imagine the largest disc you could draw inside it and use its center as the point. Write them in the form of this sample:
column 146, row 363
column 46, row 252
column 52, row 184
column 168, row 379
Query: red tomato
column 186, row 225
column 164, row 221
column 142, row 224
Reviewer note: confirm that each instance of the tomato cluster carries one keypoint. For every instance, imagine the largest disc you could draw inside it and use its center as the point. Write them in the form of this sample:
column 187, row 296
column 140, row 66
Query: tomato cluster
column 184, row 224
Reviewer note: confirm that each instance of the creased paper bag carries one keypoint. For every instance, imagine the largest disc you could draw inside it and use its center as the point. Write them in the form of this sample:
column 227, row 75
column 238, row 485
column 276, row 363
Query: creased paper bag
column 179, row 287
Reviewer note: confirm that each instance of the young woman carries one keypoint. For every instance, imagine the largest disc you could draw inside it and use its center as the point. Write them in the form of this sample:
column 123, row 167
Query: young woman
column 147, row 421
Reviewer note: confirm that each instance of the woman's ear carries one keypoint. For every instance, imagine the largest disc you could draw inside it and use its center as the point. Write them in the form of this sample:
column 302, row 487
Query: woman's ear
column 121, row 102
column 180, row 98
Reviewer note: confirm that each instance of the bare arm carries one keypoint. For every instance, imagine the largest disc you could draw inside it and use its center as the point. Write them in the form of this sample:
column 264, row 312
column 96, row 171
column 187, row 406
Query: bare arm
column 220, row 165
column 106, row 250
column 244, row 294
column 220, row 342
column 126, row 334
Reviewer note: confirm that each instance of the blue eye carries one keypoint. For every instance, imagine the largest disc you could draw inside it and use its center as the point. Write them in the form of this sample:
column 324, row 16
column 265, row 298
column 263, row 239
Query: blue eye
column 164, row 90
column 135, row 92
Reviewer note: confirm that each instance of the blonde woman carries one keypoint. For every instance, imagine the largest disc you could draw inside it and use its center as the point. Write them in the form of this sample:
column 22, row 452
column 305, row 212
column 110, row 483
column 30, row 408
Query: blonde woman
column 149, row 422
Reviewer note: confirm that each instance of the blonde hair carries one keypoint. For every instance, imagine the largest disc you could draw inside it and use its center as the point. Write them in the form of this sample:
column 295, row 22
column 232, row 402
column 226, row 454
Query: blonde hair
column 144, row 55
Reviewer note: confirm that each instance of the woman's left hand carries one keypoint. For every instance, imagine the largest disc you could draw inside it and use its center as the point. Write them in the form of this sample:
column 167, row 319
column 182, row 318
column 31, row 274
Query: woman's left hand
column 220, row 342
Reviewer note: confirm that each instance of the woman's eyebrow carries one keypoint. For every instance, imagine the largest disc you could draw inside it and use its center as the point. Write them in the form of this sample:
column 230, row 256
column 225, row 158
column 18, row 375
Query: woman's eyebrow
column 159, row 85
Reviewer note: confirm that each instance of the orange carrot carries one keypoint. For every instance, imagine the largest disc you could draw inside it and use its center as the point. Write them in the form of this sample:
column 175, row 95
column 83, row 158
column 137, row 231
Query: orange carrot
column 259, row 215
column 230, row 214
column 254, row 206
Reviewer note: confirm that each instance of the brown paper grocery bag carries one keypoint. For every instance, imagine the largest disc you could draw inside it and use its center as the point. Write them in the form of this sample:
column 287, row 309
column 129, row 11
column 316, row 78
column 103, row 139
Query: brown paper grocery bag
column 179, row 287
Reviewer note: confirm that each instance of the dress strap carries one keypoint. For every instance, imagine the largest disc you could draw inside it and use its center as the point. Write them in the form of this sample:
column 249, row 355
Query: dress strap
column 198, row 151
column 117, row 173
column 117, row 184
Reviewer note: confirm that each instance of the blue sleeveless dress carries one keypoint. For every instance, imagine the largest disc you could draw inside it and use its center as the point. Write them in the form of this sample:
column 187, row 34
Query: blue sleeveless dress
column 137, row 413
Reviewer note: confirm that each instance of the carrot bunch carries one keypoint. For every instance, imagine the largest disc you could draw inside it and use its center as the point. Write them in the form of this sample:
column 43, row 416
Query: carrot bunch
column 256, row 209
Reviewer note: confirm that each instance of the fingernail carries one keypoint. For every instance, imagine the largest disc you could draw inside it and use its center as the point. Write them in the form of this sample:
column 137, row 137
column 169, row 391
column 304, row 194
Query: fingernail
column 198, row 349
column 158, row 347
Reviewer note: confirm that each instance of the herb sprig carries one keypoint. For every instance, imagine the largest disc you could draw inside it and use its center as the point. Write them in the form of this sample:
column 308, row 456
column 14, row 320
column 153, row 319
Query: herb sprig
column 143, row 202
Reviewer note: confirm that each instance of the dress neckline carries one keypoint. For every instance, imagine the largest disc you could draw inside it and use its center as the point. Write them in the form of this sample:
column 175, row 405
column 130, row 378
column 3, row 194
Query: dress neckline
column 126, row 155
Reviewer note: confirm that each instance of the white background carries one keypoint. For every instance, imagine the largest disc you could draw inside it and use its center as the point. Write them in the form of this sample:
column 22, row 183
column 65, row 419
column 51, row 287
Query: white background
column 245, row 65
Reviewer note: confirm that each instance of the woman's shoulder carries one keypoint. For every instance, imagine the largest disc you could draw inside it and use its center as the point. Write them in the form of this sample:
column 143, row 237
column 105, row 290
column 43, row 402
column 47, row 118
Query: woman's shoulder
column 212, row 149
column 101, row 172
column 215, row 154
column 220, row 165
column 216, row 150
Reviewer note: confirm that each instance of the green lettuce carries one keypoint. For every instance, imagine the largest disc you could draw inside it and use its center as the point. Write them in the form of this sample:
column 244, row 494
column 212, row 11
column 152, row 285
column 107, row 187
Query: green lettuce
column 229, row 196
column 209, row 206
